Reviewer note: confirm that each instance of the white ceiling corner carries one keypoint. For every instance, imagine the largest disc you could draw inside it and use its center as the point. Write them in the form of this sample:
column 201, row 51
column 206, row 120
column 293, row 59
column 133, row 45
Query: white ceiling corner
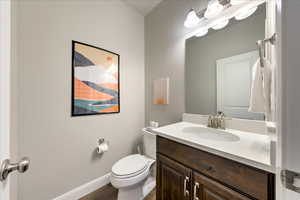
column 143, row 6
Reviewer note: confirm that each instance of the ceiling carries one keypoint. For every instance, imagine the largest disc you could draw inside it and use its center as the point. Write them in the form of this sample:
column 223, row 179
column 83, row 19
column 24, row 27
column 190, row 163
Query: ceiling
column 143, row 6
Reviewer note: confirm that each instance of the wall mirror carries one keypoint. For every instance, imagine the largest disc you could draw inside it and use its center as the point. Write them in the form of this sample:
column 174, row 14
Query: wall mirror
column 218, row 67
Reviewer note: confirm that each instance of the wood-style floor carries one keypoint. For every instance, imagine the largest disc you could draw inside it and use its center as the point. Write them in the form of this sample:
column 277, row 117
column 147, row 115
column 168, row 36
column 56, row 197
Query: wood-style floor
column 110, row 193
column 151, row 196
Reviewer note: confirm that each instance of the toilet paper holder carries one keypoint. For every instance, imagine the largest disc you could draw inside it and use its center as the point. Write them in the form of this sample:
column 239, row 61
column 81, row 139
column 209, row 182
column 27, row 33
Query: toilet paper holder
column 101, row 140
column 102, row 146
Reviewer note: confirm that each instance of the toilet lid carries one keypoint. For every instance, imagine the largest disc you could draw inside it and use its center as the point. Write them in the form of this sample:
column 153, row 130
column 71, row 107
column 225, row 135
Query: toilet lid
column 133, row 164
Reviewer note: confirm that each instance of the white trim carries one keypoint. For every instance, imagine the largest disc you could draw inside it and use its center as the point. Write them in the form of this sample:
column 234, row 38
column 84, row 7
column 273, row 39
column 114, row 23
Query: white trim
column 85, row 189
column 5, row 47
column 275, row 14
column 281, row 191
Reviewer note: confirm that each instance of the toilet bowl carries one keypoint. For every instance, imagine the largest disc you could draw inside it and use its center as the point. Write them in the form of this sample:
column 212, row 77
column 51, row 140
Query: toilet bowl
column 130, row 173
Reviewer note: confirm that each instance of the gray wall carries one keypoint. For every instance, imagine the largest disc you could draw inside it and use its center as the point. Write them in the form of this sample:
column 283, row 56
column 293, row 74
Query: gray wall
column 201, row 55
column 164, row 56
column 290, row 89
column 61, row 148
column 289, row 138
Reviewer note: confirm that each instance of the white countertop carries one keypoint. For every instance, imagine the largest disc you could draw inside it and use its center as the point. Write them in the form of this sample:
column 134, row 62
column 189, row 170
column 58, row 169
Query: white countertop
column 248, row 148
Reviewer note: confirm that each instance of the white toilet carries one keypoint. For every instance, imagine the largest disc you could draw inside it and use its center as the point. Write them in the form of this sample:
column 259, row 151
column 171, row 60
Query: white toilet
column 132, row 174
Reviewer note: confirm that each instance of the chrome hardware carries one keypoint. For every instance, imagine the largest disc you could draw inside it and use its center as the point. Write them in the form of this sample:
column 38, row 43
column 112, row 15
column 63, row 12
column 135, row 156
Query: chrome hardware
column 221, row 120
column 262, row 45
column 186, row 192
column 102, row 146
column 271, row 39
column 289, row 179
column 210, row 121
column 101, row 140
column 217, row 121
column 196, row 187
column 7, row 167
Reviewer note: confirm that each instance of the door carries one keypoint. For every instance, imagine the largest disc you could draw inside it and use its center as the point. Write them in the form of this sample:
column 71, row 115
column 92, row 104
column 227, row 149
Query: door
column 7, row 185
column 173, row 180
column 205, row 188
column 234, row 75
column 4, row 89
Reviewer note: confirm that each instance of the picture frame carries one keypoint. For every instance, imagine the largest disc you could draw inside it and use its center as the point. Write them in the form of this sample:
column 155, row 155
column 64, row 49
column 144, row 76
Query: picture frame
column 95, row 80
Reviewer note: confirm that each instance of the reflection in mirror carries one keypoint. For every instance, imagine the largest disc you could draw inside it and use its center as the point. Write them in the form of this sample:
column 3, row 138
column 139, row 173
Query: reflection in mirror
column 218, row 68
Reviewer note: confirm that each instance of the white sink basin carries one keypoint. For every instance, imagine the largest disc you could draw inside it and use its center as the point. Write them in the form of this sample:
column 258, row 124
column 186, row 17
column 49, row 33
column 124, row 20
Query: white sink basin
column 210, row 134
column 245, row 147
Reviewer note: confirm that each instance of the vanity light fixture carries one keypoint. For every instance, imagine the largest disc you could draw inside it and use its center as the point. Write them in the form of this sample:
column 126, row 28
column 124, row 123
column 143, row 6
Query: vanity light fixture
column 213, row 8
column 218, row 14
column 192, row 19
column 221, row 23
column 201, row 32
column 245, row 12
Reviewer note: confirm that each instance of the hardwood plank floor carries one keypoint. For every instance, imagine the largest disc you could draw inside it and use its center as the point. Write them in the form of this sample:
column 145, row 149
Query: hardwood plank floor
column 151, row 196
column 108, row 192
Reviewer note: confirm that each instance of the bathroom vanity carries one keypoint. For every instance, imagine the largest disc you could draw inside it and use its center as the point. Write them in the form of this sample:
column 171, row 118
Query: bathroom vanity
column 198, row 163
column 184, row 172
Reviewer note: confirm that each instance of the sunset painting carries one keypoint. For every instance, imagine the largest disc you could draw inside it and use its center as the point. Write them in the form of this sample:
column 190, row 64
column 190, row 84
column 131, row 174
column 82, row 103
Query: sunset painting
column 95, row 80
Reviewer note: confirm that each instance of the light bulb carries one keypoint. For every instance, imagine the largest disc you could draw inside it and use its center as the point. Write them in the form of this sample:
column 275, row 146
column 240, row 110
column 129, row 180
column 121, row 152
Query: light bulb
column 237, row 2
column 213, row 9
column 201, row 32
column 192, row 19
column 219, row 24
column 245, row 12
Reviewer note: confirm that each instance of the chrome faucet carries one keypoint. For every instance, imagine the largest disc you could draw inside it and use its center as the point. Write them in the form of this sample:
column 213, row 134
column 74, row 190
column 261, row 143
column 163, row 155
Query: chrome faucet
column 217, row 121
column 210, row 121
column 221, row 120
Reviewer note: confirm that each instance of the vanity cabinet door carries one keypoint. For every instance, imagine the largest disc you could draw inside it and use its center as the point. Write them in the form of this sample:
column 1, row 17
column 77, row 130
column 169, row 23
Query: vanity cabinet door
column 205, row 188
column 173, row 180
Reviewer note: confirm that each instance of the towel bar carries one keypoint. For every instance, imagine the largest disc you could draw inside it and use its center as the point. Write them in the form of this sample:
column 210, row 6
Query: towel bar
column 261, row 47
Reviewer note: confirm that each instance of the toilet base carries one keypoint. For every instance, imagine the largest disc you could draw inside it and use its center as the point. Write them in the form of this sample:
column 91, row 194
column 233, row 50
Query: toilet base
column 138, row 192
column 131, row 193
column 149, row 185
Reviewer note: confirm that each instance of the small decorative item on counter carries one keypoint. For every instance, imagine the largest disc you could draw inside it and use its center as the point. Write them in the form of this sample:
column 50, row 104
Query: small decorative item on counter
column 154, row 124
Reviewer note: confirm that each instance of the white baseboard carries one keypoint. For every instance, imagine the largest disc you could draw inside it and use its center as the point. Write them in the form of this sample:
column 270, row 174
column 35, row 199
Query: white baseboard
column 85, row 189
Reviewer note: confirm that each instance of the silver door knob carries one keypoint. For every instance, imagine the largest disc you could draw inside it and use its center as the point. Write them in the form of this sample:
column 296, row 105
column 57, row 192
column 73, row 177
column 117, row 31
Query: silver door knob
column 7, row 167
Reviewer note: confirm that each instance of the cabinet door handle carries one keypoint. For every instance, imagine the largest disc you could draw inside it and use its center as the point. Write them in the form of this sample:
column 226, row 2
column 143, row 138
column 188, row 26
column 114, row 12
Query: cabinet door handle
column 186, row 192
column 196, row 187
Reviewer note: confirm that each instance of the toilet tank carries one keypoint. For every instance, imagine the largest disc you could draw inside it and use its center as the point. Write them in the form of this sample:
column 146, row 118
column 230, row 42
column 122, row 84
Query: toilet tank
column 149, row 143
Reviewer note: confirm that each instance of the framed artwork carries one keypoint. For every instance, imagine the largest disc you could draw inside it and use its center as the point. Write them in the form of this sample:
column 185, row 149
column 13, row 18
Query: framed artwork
column 161, row 91
column 95, row 80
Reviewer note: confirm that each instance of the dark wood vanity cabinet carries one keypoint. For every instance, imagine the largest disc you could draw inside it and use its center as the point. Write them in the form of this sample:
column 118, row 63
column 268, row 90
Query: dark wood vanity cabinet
column 186, row 173
column 174, row 180
column 208, row 189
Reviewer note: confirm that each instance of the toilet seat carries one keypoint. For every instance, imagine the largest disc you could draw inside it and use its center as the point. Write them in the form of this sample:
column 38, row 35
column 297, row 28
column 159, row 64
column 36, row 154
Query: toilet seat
column 131, row 170
column 130, row 175
column 130, row 166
